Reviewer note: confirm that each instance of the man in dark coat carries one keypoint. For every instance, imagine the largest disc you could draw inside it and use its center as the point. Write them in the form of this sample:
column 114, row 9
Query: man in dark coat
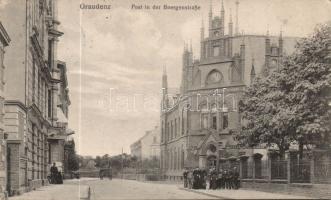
column 54, row 174
column 185, row 173
column 236, row 176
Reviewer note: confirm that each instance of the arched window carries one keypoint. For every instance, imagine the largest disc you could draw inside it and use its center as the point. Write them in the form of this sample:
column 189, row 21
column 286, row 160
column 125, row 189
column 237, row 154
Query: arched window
column 213, row 77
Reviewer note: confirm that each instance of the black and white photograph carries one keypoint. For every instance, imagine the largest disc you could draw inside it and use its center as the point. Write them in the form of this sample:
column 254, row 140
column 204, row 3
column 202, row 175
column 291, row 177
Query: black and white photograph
column 165, row 99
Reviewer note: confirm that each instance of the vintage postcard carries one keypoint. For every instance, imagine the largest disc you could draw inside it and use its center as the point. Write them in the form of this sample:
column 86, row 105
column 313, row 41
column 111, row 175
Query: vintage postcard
column 165, row 99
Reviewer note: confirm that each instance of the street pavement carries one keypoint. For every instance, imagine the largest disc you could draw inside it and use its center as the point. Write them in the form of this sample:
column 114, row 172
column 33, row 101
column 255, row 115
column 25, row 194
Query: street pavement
column 129, row 189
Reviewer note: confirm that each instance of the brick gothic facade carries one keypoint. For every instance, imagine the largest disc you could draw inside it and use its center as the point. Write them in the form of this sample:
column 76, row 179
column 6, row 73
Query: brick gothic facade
column 197, row 124
column 4, row 41
column 32, row 81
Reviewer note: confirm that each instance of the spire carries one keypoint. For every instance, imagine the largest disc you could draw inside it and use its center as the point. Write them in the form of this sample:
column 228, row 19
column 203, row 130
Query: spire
column 191, row 46
column 237, row 26
column 252, row 71
column 202, row 31
column 280, row 42
column 230, row 24
column 267, row 30
column 210, row 17
column 164, row 78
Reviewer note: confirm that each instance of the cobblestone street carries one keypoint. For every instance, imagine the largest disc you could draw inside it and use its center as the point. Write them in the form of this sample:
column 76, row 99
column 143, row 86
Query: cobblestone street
column 129, row 189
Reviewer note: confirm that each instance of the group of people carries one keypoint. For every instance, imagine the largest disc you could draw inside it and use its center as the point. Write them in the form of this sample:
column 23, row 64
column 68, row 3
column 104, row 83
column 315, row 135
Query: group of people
column 56, row 175
column 211, row 179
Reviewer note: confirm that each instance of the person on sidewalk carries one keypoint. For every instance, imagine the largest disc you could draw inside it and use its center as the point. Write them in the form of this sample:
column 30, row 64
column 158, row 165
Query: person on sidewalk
column 236, row 176
column 54, row 174
column 226, row 179
column 190, row 178
column 185, row 177
column 230, row 179
column 218, row 180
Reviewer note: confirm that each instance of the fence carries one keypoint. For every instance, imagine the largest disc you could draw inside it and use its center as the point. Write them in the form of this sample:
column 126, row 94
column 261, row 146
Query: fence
column 300, row 171
column 322, row 172
column 278, row 169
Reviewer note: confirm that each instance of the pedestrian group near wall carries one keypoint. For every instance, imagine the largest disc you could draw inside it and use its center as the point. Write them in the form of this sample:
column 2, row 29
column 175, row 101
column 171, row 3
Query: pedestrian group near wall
column 56, row 175
column 211, row 179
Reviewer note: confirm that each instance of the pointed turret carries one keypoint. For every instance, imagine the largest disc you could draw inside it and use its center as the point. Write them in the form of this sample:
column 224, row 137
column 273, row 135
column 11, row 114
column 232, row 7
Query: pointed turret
column 190, row 54
column 210, row 19
column 202, row 37
column 280, row 43
column 242, row 58
column 222, row 18
column 237, row 26
column 267, row 49
column 230, row 24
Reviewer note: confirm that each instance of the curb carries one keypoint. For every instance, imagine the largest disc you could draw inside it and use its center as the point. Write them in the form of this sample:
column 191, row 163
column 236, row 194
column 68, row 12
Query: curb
column 203, row 193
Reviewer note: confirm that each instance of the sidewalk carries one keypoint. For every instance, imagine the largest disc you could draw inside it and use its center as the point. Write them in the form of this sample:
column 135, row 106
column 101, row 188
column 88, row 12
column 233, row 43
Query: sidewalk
column 244, row 194
column 70, row 190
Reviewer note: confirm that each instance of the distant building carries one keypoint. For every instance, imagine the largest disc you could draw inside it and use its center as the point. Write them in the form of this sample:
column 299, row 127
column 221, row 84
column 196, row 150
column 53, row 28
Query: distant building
column 4, row 41
column 147, row 146
column 198, row 123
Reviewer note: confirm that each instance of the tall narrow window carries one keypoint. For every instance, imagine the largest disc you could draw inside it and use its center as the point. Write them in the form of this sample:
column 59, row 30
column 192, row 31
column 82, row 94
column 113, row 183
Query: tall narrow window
column 175, row 128
column 204, row 121
column 50, row 57
column 214, row 122
column 49, row 103
column 33, row 79
column 225, row 120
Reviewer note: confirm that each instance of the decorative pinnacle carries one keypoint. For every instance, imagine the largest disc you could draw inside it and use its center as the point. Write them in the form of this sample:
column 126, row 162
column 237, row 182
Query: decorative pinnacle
column 211, row 8
column 230, row 15
column 222, row 6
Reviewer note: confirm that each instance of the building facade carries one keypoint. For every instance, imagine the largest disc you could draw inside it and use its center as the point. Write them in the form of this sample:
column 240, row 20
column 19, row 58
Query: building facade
column 32, row 89
column 4, row 42
column 148, row 146
column 198, row 123
column 57, row 141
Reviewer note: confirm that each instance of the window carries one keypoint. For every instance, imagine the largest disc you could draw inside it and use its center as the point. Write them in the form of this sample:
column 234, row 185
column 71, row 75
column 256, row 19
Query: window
column 204, row 121
column 49, row 103
column 225, row 120
column 50, row 57
column 214, row 77
column 33, row 79
column 216, row 51
column 172, row 130
column 175, row 128
column 214, row 122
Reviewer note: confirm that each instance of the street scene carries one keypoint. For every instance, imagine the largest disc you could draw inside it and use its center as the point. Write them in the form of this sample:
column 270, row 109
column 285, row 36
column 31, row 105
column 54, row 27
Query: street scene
column 127, row 99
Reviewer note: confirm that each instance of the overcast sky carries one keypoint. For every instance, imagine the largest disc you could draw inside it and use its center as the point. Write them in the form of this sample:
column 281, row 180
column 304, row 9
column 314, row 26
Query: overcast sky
column 115, row 58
